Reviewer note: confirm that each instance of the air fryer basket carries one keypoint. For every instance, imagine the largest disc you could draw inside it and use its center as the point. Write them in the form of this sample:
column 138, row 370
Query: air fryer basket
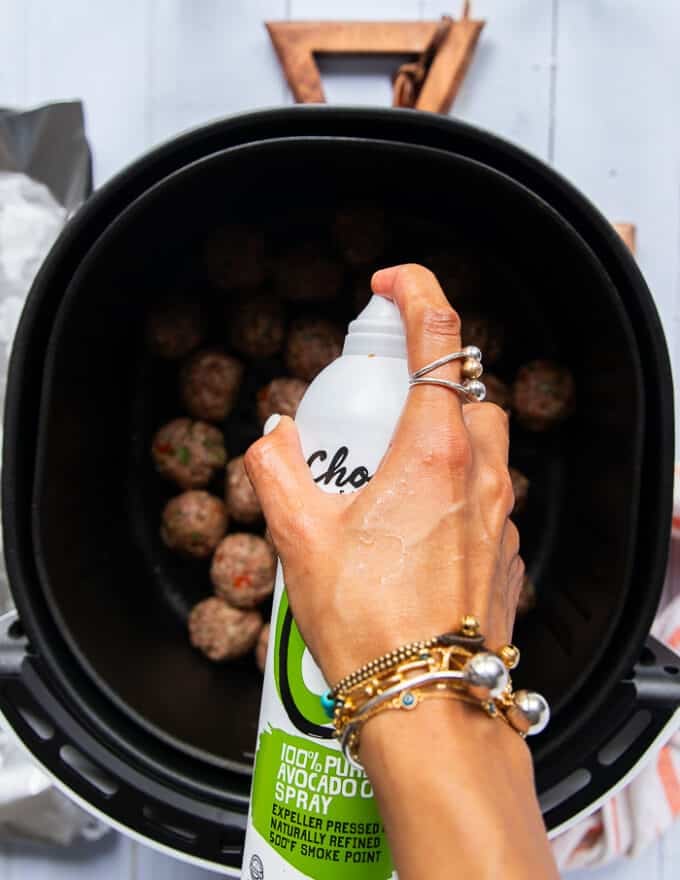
column 108, row 600
column 97, row 501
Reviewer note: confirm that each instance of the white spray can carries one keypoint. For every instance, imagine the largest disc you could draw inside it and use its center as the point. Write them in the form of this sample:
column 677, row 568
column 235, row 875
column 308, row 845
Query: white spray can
column 311, row 814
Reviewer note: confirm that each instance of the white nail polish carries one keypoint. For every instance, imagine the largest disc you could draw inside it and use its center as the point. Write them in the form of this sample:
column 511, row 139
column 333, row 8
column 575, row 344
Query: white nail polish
column 271, row 423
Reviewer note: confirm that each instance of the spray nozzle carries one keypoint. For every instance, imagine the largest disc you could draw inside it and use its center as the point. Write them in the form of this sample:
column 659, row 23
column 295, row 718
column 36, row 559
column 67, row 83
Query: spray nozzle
column 378, row 330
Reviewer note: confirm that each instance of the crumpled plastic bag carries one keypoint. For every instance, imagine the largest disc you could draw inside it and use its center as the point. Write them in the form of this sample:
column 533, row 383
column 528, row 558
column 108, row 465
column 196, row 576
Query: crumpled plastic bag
column 31, row 218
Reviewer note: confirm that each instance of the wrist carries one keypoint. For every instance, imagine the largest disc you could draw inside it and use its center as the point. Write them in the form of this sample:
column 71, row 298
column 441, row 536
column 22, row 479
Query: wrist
column 462, row 730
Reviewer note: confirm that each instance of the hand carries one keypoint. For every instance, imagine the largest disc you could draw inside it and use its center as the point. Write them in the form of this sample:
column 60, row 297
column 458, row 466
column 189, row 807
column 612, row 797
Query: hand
column 428, row 540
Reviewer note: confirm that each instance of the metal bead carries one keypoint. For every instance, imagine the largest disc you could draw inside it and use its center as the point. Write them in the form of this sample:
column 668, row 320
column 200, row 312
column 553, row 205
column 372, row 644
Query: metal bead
column 486, row 675
column 471, row 369
column 535, row 709
column 471, row 351
column 509, row 654
column 469, row 625
column 476, row 388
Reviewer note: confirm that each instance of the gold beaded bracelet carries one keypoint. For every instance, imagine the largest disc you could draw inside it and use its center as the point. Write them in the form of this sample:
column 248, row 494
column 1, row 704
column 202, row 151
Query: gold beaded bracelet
column 468, row 634
column 455, row 665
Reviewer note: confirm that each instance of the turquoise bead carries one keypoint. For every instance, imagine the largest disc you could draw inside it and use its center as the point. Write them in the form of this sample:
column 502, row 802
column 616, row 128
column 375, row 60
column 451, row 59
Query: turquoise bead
column 328, row 703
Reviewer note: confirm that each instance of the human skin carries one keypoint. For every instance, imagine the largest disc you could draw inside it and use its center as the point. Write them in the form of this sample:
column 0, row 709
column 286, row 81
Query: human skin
column 426, row 542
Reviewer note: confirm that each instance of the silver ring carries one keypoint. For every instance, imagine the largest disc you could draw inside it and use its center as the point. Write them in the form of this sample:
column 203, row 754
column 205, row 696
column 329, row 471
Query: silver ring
column 471, row 389
column 470, row 351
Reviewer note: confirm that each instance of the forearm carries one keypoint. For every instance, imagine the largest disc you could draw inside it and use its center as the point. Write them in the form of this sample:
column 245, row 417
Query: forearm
column 455, row 791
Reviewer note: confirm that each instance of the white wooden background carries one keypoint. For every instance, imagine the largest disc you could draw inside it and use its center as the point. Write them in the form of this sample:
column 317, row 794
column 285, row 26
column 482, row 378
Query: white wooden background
column 591, row 86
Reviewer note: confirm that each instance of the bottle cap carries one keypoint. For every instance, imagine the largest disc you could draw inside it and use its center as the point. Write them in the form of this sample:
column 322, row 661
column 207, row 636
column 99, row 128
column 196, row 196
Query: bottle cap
column 377, row 331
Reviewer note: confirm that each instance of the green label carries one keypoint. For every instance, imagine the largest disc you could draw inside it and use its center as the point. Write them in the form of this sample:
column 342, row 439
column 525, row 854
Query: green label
column 302, row 705
column 316, row 811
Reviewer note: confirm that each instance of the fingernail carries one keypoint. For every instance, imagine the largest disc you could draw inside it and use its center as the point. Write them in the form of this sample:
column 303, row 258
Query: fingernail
column 270, row 424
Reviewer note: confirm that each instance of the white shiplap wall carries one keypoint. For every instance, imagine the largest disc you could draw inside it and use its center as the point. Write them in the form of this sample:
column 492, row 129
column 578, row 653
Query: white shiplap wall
column 590, row 85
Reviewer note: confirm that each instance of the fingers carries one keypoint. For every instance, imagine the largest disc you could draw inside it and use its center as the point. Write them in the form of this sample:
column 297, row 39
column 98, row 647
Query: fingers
column 283, row 482
column 432, row 327
column 431, row 423
column 487, row 425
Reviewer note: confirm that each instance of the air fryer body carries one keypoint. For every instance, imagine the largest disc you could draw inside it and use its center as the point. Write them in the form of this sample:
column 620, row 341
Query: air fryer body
column 101, row 667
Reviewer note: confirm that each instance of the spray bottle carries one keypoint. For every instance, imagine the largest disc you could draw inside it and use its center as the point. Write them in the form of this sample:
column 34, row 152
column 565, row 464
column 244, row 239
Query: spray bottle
column 312, row 815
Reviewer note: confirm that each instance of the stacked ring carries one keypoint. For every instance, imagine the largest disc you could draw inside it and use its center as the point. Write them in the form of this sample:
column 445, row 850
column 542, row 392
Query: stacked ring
column 471, row 389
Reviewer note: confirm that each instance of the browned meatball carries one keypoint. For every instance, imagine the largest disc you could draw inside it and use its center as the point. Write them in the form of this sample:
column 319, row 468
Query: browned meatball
column 174, row 328
column 189, row 453
column 281, row 396
column 359, row 232
column 242, row 503
column 542, row 395
column 261, row 647
column 234, row 256
column 305, row 274
column 496, row 391
column 222, row 632
column 193, row 523
column 527, row 597
column 243, row 569
column 257, row 326
column 209, row 383
column 312, row 344
column 520, row 486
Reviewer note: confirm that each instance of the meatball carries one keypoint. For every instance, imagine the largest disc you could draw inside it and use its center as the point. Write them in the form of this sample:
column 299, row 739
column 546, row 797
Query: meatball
column 527, row 597
column 174, row 328
column 496, row 391
column 261, row 647
column 242, row 503
column 189, row 453
column 281, row 396
column 243, row 569
column 486, row 334
column 520, row 486
column 543, row 395
column 257, row 326
column 209, row 383
column 359, row 232
column 304, row 273
column 222, row 632
column 234, row 256
column 193, row 523
column 312, row 344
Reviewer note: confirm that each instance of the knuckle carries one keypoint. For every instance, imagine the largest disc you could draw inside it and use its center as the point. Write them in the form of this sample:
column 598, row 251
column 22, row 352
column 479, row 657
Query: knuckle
column 461, row 454
column 439, row 322
column 458, row 453
column 499, row 489
column 447, row 451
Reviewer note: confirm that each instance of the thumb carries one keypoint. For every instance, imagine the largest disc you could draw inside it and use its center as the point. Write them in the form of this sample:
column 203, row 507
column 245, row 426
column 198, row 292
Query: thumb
column 282, row 480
